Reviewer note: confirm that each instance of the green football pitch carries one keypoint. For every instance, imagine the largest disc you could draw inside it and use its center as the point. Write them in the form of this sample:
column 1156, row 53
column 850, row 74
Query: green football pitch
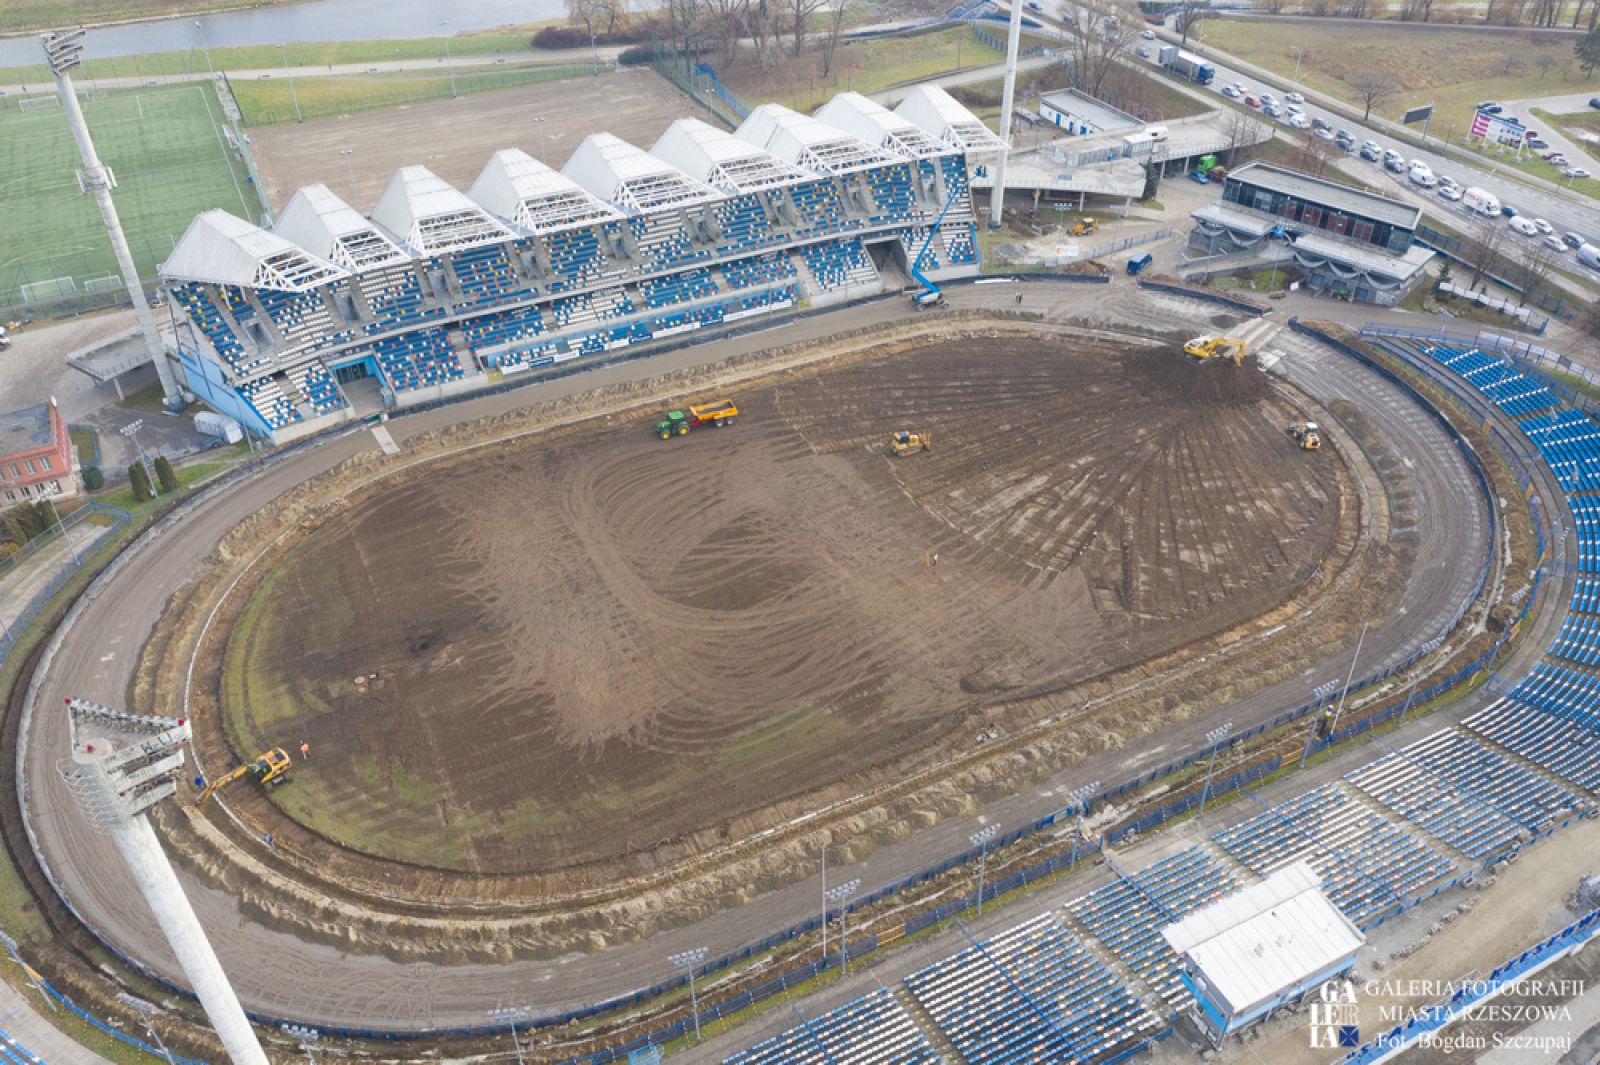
column 169, row 152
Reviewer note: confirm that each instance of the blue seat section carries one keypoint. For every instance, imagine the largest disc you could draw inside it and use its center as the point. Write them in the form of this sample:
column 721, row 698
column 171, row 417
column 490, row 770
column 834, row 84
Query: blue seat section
column 503, row 327
column 758, row 270
column 891, row 192
column 744, row 223
column 203, row 311
column 961, row 248
column 664, row 243
column 1586, row 519
column 954, row 169
column 1566, row 748
column 416, row 360
column 835, row 263
column 1561, row 691
column 681, row 287
column 575, row 258
column 235, row 303
column 1579, row 640
column 1371, row 869
column 916, row 242
column 266, row 396
column 1127, row 915
column 817, row 207
column 873, row 1030
column 1031, row 994
column 1510, row 390
column 509, row 360
column 1570, row 444
column 14, row 1053
column 317, row 385
column 1424, row 785
column 395, row 296
column 296, row 314
column 486, row 276
column 1586, row 595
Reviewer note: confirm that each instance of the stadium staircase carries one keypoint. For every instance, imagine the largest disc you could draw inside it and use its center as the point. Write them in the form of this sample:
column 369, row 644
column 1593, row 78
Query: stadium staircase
column 924, row 1021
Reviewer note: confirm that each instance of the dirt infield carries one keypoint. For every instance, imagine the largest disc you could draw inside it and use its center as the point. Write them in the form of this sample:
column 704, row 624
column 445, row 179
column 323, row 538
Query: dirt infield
column 454, row 138
column 571, row 650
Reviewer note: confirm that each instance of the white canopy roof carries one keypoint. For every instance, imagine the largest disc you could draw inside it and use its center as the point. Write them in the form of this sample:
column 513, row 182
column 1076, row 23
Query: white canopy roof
column 432, row 216
column 1266, row 938
column 870, row 121
column 633, row 179
column 722, row 160
column 937, row 112
column 808, row 143
column 322, row 223
column 523, row 190
column 225, row 250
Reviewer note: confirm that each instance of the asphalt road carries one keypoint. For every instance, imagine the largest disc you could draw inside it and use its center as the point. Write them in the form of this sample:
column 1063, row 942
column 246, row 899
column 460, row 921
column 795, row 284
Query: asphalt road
column 278, row 974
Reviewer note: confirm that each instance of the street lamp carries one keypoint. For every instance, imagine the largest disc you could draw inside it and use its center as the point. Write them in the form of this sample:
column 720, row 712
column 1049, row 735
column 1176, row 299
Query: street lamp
column 306, row 1037
column 839, row 896
column 1215, row 738
column 131, row 431
column 448, row 66
column 350, row 167
column 538, row 120
column 1079, row 798
column 1333, row 725
column 981, row 840
column 284, row 49
column 510, row 1015
column 688, row 960
column 145, row 1010
column 204, row 48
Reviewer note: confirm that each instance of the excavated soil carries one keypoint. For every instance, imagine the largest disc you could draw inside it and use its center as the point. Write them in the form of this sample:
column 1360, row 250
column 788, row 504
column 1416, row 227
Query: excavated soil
column 574, row 649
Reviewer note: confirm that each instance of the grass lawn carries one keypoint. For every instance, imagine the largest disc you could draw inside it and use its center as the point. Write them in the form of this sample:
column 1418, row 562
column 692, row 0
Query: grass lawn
column 1452, row 68
column 87, row 443
column 267, row 103
column 862, row 66
column 18, row 15
column 171, row 161
column 149, row 400
column 1530, row 163
column 188, row 475
column 1582, row 129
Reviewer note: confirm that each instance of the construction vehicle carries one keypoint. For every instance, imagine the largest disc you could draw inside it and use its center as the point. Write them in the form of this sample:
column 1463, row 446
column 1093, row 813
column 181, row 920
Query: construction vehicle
column 931, row 295
column 905, row 443
column 1205, row 349
column 269, row 770
column 1307, row 435
column 678, row 423
column 1085, row 227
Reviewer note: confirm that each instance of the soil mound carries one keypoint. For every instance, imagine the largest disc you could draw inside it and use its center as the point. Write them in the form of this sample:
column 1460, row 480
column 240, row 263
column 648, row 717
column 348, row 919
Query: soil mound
column 1191, row 385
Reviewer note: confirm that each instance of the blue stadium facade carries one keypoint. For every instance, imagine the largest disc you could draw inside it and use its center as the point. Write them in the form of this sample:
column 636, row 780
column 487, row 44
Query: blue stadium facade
column 440, row 292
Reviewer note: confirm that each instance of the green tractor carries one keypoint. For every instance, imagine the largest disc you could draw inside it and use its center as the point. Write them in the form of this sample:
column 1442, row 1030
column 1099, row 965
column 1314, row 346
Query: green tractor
column 674, row 424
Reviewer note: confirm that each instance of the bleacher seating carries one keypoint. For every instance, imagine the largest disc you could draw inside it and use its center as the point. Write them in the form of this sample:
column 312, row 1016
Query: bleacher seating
column 296, row 314
column 1032, row 994
column 14, row 1053
column 1566, row 748
column 891, row 192
column 576, row 258
column 873, row 1030
column 664, row 242
column 817, row 207
column 1563, row 692
column 266, row 396
column 837, row 263
column 504, row 327
column 203, row 311
column 1570, row 444
column 758, row 270
column 1512, row 391
column 1370, row 868
column 1127, row 915
column 485, row 276
column 916, row 242
column 416, row 360
column 744, row 224
column 317, row 385
column 960, row 249
column 681, row 287
column 395, row 296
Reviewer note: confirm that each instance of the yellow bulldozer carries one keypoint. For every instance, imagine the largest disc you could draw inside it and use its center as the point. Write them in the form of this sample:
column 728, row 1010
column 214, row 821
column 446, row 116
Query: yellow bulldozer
column 269, row 770
column 905, row 443
column 1307, row 435
column 1205, row 349
column 1085, row 227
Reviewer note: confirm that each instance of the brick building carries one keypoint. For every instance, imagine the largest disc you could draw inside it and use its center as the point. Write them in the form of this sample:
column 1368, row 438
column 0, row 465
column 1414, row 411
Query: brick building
column 35, row 455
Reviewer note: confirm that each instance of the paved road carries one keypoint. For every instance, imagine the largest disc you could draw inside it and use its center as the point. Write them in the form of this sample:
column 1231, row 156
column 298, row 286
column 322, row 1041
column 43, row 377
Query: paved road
column 33, row 1032
column 1577, row 154
column 279, row 974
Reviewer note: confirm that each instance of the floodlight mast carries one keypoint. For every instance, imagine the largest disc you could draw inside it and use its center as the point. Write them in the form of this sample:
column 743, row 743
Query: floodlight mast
column 115, row 784
column 63, row 50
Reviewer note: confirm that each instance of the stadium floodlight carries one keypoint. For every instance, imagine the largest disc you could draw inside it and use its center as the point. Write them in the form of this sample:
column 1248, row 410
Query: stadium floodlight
column 689, row 960
column 511, row 1016
column 1214, row 738
column 981, row 839
column 448, row 65
column 538, row 120
column 63, row 50
column 146, row 1010
column 1078, row 800
column 293, row 96
column 350, row 166
column 305, row 1036
column 840, row 896
column 206, row 48
column 1333, row 724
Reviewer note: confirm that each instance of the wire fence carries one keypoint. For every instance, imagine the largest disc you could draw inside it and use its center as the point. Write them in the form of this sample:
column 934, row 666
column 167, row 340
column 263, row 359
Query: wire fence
column 113, row 519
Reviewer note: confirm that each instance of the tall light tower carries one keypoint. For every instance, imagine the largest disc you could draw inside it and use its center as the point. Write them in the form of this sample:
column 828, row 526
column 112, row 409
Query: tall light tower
column 1008, row 96
column 64, row 51
column 123, row 764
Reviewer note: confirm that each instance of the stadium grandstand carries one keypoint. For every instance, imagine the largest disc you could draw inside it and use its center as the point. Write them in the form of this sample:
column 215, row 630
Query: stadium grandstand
column 440, row 292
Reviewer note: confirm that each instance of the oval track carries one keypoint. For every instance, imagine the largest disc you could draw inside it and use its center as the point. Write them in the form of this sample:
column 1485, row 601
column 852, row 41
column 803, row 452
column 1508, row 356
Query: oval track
column 280, row 975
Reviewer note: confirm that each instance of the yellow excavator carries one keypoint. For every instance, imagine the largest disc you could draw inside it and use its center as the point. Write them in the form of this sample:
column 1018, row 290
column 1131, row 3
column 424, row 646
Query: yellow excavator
column 269, row 770
column 1085, row 227
column 905, row 443
column 1204, row 349
column 1307, row 435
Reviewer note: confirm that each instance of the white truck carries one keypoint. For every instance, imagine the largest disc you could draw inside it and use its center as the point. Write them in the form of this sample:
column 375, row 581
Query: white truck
column 1589, row 255
column 1422, row 176
column 1480, row 201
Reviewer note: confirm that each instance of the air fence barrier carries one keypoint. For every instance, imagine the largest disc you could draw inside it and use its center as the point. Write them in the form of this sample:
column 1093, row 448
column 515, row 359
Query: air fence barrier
column 118, row 518
column 1427, row 1022
column 867, row 944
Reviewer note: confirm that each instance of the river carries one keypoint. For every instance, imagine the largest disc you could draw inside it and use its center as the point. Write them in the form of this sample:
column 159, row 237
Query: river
column 315, row 20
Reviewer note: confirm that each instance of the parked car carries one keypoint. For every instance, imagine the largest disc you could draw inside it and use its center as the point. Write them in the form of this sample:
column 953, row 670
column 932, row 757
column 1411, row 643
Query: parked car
column 1489, row 107
column 1536, row 144
column 1544, row 227
column 1251, row 101
column 1572, row 240
column 1522, row 226
column 1199, row 177
column 1144, row 53
column 1449, row 192
column 1370, row 154
column 1555, row 244
column 1148, row 35
column 1575, row 172
column 1557, row 159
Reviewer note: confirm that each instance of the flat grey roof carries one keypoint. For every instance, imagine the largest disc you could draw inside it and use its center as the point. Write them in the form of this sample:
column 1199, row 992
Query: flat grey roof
column 24, row 429
column 1365, row 256
column 1073, row 102
column 1329, row 194
column 1223, row 213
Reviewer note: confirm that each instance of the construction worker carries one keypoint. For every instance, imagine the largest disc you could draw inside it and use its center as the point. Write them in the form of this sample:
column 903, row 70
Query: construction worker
column 305, row 750
column 1326, row 724
column 1019, row 297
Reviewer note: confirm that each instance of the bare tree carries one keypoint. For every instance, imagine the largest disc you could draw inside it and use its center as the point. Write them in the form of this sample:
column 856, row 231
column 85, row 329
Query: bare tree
column 1098, row 38
column 1534, row 271
column 1487, row 235
column 1313, row 154
column 1374, row 87
column 1240, row 131
column 1512, row 63
column 1546, row 61
column 800, row 12
column 830, row 42
column 1416, row 10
